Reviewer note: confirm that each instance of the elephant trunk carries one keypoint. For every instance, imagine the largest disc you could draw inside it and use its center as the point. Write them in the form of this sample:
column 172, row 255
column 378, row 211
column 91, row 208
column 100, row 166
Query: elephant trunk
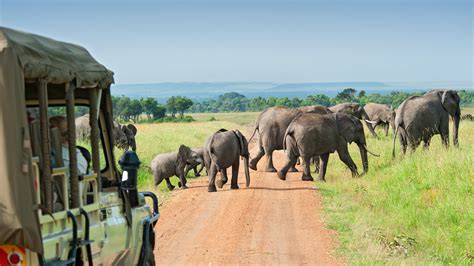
column 247, row 173
column 456, row 120
column 133, row 143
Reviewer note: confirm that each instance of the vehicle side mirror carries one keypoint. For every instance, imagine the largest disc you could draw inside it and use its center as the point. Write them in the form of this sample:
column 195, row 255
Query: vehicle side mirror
column 130, row 164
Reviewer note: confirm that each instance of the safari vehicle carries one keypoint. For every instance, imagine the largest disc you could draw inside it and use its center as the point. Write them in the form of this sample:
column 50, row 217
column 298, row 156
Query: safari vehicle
column 101, row 218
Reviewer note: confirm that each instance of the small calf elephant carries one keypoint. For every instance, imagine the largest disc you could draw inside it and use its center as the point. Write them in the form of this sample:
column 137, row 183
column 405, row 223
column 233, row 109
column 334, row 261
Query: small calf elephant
column 224, row 149
column 314, row 134
column 171, row 164
column 195, row 166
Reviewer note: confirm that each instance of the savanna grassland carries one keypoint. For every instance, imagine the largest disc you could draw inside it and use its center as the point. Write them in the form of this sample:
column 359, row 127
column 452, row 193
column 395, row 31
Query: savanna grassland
column 414, row 209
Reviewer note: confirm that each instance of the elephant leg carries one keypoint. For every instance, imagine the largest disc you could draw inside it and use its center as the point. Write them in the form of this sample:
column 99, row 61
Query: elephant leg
column 221, row 182
column 182, row 182
column 316, row 161
column 445, row 139
column 291, row 160
column 414, row 144
column 235, row 175
column 293, row 167
column 270, row 167
column 306, row 172
column 324, row 166
column 346, row 159
column 403, row 140
column 298, row 161
column 258, row 156
column 212, row 178
column 169, row 185
column 386, row 128
column 196, row 172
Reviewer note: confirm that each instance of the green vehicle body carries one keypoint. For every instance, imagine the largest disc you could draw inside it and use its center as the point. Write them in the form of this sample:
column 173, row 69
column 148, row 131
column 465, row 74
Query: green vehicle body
column 101, row 223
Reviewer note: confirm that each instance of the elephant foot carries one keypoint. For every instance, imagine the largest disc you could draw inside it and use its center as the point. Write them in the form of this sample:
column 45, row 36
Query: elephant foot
column 293, row 169
column 253, row 166
column 271, row 170
column 179, row 184
column 307, row 178
column 184, row 187
column 197, row 175
column 219, row 183
column 212, row 188
column 316, row 171
column 322, row 179
column 171, row 187
column 234, row 186
column 281, row 176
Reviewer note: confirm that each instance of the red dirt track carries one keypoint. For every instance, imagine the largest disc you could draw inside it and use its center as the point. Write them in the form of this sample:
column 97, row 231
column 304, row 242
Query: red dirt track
column 271, row 222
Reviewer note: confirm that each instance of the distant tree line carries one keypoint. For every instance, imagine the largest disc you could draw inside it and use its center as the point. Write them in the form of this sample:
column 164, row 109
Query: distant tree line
column 235, row 102
column 148, row 109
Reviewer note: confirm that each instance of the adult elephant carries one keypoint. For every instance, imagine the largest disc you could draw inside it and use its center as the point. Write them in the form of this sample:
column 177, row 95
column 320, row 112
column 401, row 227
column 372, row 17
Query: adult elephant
column 225, row 149
column 356, row 110
column 319, row 135
column 421, row 117
column 381, row 114
column 124, row 135
column 271, row 125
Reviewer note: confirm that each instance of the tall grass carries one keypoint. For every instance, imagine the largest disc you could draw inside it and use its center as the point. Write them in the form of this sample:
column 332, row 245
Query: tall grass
column 417, row 208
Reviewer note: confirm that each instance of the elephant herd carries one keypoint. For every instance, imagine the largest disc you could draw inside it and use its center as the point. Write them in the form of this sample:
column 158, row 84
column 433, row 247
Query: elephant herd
column 311, row 134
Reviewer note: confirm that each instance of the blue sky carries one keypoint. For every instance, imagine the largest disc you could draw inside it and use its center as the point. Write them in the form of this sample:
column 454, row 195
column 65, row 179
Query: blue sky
column 261, row 40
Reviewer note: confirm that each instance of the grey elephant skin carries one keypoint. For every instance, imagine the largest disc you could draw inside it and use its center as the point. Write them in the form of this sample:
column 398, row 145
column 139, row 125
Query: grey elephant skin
column 382, row 115
column 124, row 136
column 225, row 148
column 197, row 172
column 356, row 110
column 319, row 135
column 271, row 126
column 419, row 118
column 167, row 165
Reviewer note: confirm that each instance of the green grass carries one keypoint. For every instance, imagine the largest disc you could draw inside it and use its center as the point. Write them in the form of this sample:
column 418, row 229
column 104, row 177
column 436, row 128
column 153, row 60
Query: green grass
column 415, row 209
column 242, row 119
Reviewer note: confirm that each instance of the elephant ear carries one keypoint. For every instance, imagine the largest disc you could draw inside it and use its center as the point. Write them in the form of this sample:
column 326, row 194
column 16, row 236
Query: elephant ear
column 450, row 101
column 346, row 125
column 182, row 157
column 244, row 150
column 132, row 129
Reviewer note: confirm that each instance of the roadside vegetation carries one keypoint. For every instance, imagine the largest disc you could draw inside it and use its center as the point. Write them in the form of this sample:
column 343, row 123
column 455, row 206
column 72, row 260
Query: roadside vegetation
column 414, row 209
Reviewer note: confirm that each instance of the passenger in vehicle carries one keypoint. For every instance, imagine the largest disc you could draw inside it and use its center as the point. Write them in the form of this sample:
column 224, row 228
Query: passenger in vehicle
column 61, row 123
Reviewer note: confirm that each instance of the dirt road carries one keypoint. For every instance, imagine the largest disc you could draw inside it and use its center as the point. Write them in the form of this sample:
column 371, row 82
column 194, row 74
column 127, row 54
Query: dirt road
column 272, row 222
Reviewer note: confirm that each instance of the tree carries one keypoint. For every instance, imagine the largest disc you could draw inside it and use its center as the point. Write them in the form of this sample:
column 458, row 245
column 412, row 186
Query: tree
column 347, row 95
column 149, row 106
column 182, row 104
column 171, row 106
column 135, row 110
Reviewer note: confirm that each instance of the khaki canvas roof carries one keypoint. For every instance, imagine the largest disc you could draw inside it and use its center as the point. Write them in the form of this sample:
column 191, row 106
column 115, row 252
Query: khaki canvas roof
column 55, row 61
column 25, row 56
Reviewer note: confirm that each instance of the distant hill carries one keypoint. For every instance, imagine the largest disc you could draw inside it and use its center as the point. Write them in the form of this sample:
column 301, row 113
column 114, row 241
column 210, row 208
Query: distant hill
column 200, row 91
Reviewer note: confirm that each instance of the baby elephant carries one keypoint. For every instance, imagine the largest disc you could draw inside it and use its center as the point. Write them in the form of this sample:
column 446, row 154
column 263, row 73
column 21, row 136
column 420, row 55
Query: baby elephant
column 171, row 164
column 224, row 149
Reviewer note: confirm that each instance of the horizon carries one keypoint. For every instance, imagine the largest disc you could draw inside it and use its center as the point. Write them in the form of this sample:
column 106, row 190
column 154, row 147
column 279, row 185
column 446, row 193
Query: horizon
column 146, row 42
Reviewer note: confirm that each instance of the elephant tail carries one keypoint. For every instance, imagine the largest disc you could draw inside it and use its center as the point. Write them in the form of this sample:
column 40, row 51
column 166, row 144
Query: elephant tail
column 212, row 155
column 254, row 131
column 289, row 132
column 394, row 139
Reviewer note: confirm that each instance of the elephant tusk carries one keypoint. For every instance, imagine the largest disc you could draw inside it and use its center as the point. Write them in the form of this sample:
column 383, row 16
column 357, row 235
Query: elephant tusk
column 369, row 121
